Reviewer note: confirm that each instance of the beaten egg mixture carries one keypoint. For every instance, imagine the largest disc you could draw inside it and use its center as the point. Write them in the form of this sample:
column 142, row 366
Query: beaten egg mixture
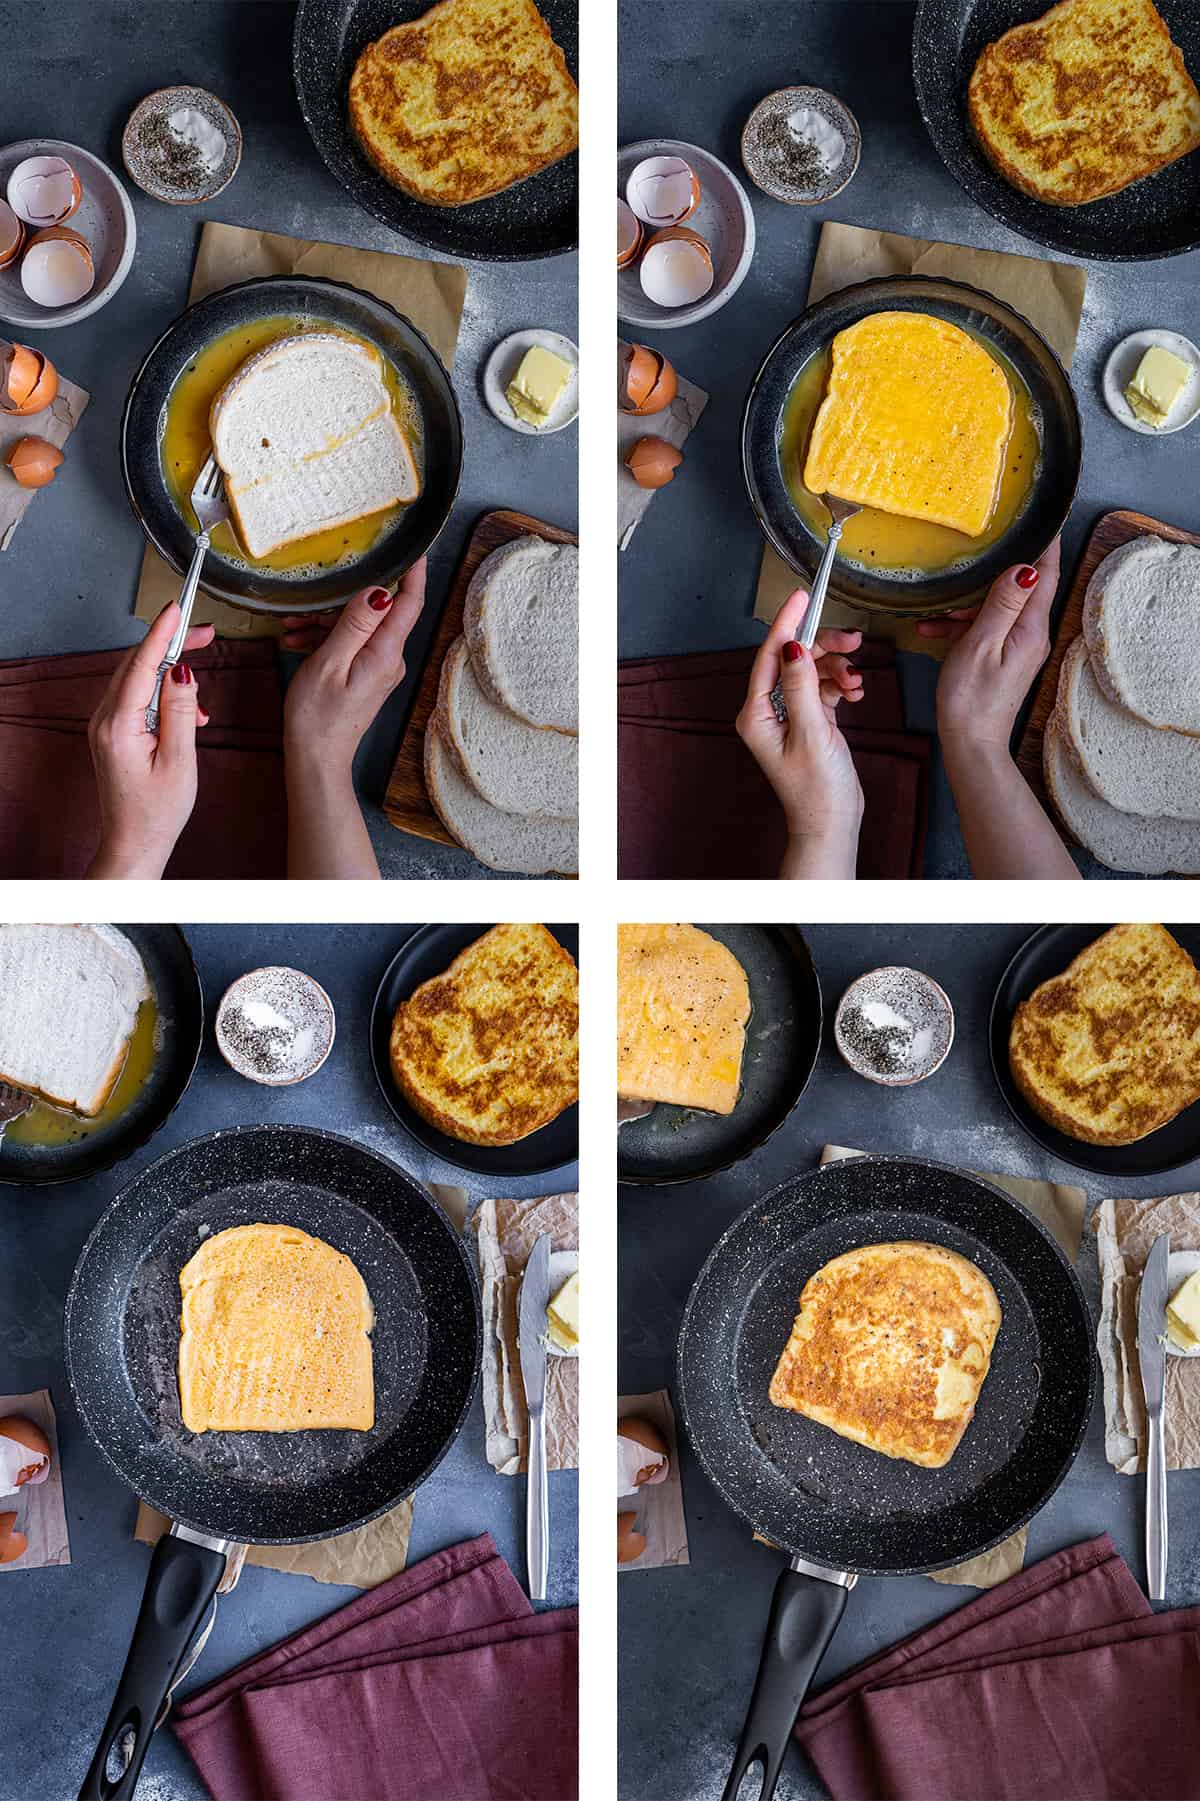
column 48, row 1125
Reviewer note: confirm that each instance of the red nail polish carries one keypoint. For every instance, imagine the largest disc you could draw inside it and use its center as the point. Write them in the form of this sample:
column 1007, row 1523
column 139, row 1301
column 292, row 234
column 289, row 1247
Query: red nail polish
column 181, row 674
column 1027, row 577
column 792, row 652
column 380, row 600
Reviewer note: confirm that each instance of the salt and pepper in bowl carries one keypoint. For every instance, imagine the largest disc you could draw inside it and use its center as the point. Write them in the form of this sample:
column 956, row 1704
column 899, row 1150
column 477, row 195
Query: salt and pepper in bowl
column 275, row 1026
column 894, row 1026
column 801, row 145
column 182, row 145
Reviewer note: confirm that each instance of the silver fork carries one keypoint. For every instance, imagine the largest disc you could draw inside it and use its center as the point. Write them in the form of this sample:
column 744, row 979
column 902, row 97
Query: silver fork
column 14, row 1102
column 211, row 509
column 840, row 511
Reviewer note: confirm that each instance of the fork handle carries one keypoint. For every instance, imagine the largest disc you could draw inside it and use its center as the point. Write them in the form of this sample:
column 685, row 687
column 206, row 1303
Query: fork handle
column 187, row 600
column 807, row 635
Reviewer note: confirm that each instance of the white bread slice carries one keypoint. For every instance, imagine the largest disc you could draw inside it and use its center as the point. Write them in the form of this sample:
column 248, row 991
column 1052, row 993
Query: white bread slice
column 515, row 766
column 71, row 999
column 514, row 842
column 1128, row 763
column 521, row 622
column 1141, row 620
column 307, row 438
column 1128, row 842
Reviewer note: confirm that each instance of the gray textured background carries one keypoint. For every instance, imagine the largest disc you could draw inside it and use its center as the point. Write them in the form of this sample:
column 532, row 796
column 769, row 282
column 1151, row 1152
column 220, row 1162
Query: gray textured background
column 66, row 1631
column 690, row 1637
column 68, row 581
column 688, row 579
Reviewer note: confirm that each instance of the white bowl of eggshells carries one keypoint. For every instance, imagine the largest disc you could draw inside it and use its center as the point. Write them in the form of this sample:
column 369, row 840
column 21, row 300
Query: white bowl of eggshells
column 67, row 234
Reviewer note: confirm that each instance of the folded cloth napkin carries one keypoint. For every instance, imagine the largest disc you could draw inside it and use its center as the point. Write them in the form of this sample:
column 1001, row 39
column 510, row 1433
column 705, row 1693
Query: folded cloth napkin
column 440, row 1685
column 49, row 808
column 1059, row 1685
column 694, row 804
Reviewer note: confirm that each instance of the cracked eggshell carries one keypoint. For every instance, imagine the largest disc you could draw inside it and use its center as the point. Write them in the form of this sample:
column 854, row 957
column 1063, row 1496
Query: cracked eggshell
column 34, row 462
column 647, row 382
column 652, row 462
column 12, row 1544
column 24, row 1453
column 28, row 380
column 630, row 234
column 663, row 190
column 44, row 190
column 677, row 268
column 12, row 235
column 57, row 267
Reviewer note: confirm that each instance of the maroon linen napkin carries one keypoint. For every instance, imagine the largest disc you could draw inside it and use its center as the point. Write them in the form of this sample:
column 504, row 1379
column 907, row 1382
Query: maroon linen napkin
column 440, row 1683
column 49, row 810
column 1059, row 1685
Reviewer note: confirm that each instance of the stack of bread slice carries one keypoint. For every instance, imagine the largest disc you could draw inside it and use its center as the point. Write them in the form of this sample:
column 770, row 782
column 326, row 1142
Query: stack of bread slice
column 502, row 747
column 1122, row 748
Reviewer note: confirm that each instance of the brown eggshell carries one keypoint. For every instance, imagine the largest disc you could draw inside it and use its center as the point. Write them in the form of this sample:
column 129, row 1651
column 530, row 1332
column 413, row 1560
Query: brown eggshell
column 652, row 462
column 644, row 1432
column 12, row 235
column 28, row 1433
column 649, row 385
column 684, row 234
column 13, row 1544
column 630, row 1544
column 33, row 462
column 630, row 235
column 28, row 381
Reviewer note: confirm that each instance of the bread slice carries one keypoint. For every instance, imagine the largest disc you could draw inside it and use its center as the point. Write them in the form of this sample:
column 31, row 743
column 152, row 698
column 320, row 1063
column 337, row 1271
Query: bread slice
column 513, row 842
column 71, row 999
column 1141, row 620
column 1084, row 101
column 308, row 440
column 515, row 766
column 1109, row 1051
column 521, row 623
column 1128, row 763
column 488, row 1051
column 465, row 101
column 1129, row 842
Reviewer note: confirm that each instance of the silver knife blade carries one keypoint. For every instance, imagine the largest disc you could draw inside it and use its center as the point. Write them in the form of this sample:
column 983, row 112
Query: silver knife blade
column 1152, row 1323
column 531, row 1323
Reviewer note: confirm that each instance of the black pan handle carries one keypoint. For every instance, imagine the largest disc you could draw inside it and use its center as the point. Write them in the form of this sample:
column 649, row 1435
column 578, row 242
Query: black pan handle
column 181, row 1583
column 804, row 1617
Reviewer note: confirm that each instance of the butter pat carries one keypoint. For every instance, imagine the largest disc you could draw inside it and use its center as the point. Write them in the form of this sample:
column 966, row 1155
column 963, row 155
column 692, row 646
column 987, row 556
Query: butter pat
column 1160, row 380
column 562, row 1315
column 1183, row 1315
column 537, row 387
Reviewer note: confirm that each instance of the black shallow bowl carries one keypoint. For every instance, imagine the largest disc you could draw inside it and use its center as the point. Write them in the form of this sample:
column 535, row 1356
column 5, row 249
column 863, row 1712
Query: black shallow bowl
column 1055, row 410
column 1046, row 954
column 429, row 951
column 538, row 217
column 121, row 1332
column 177, row 995
column 319, row 301
column 783, row 1041
column 1156, row 217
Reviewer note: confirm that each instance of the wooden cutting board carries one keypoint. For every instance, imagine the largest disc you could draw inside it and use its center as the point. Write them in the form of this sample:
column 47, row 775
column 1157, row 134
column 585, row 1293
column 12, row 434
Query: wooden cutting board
column 406, row 803
column 1110, row 532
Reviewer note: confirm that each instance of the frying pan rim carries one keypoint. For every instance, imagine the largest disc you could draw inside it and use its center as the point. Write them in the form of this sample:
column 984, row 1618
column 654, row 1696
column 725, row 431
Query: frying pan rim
column 810, row 1176
column 273, row 1129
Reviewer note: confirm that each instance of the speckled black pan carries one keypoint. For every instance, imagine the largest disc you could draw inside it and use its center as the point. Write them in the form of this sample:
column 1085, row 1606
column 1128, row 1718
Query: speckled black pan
column 177, row 995
column 1156, row 217
column 1046, row 954
column 1055, row 411
column 122, row 1334
column 538, row 217
column 316, row 300
column 817, row 1495
column 783, row 1039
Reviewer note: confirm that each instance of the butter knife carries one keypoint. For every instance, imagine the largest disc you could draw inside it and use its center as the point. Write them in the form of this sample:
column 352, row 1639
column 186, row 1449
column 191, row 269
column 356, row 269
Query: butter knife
column 1152, row 1325
column 532, row 1331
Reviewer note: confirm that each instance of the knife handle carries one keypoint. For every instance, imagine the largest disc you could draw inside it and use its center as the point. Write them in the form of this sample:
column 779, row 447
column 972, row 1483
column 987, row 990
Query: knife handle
column 537, row 1508
column 1156, row 1510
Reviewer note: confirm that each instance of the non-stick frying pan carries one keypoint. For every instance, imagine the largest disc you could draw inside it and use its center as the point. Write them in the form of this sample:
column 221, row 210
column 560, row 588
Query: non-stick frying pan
column 225, row 1489
column 838, row 1509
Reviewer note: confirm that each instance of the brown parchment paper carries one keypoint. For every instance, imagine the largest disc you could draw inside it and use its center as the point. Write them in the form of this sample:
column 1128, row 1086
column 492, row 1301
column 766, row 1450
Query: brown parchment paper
column 506, row 1232
column 430, row 294
column 1048, row 294
column 55, row 425
column 41, row 1512
column 360, row 1559
column 1125, row 1232
column 659, row 1507
column 1061, row 1209
column 673, row 425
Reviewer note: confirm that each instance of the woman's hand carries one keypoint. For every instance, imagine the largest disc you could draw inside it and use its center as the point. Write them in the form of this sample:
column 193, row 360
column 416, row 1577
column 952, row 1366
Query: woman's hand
column 806, row 759
column 356, row 660
column 147, row 784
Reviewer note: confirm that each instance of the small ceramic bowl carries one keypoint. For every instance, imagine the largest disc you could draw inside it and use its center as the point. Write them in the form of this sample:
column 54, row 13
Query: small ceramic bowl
column 148, row 122
column 275, row 1026
column 104, row 218
column 765, row 137
column 503, row 364
column 911, row 1012
column 1122, row 366
column 724, row 219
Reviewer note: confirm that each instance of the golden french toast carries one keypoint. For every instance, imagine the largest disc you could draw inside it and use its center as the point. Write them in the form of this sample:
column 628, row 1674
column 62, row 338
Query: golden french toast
column 915, row 420
column 682, row 1006
column 465, row 101
column 1109, row 1051
column 488, row 1052
column 1084, row 101
column 890, row 1348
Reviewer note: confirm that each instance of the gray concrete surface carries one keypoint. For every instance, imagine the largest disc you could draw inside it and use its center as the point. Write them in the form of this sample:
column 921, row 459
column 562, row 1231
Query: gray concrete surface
column 690, row 1637
column 687, row 581
column 68, row 581
column 66, row 1631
